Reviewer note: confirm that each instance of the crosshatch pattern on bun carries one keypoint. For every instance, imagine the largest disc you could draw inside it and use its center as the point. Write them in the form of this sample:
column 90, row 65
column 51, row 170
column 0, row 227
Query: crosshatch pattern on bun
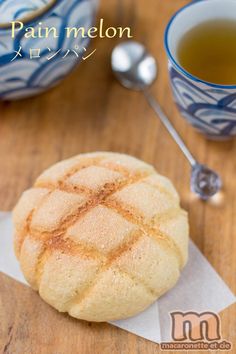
column 101, row 236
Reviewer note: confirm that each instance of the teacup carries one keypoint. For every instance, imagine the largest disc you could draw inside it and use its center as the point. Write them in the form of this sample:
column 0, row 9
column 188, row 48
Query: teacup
column 52, row 57
column 209, row 107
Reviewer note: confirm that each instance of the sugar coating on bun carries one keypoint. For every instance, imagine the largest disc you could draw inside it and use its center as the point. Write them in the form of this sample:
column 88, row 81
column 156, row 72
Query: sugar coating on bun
column 101, row 236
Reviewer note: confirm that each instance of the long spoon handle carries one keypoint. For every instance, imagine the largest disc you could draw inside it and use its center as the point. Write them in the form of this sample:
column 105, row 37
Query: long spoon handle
column 165, row 120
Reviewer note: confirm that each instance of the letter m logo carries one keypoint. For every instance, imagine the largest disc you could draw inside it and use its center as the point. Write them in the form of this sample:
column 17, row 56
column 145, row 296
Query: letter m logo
column 195, row 326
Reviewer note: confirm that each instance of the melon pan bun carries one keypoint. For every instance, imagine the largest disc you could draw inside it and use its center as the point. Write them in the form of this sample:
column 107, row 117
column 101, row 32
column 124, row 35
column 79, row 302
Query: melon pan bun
column 101, row 236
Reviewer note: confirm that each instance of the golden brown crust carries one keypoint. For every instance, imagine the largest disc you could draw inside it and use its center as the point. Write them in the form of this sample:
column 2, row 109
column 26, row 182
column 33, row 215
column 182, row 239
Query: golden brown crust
column 95, row 219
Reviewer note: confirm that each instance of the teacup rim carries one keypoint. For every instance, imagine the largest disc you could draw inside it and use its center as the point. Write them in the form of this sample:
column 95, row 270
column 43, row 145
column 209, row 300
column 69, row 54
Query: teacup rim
column 34, row 16
column 174, row 61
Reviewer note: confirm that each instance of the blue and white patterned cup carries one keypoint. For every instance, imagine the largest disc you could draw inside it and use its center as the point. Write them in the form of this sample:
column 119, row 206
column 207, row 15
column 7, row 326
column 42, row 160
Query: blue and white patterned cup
column 209, row 107
column 25, row 76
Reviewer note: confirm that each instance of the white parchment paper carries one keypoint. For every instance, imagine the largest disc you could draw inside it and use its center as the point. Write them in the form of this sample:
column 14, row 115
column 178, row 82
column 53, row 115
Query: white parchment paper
column 199, row 289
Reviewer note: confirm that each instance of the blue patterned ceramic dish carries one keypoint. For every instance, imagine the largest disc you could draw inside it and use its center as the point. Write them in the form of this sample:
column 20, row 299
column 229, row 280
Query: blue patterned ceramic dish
column 210, row 108
column 11, row 10
column 25, row 76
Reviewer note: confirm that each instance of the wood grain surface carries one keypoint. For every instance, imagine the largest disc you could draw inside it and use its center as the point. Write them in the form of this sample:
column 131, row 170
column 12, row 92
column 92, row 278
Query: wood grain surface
column 89, row 112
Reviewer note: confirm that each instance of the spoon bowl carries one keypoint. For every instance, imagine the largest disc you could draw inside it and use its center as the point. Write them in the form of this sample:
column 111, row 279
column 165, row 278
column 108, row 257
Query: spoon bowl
column 133, row 66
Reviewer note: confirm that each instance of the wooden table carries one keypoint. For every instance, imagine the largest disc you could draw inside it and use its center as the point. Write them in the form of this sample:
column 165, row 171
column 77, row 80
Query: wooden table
column 89, row 112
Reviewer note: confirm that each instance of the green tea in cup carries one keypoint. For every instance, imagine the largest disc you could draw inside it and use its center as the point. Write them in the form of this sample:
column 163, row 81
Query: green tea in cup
column 208, row 51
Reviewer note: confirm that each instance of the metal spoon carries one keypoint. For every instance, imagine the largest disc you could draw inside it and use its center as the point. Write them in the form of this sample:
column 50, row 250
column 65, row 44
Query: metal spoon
column 136, row 69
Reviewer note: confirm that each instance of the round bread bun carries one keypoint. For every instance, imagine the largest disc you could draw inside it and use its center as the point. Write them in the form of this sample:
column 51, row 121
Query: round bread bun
column 101, row 236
